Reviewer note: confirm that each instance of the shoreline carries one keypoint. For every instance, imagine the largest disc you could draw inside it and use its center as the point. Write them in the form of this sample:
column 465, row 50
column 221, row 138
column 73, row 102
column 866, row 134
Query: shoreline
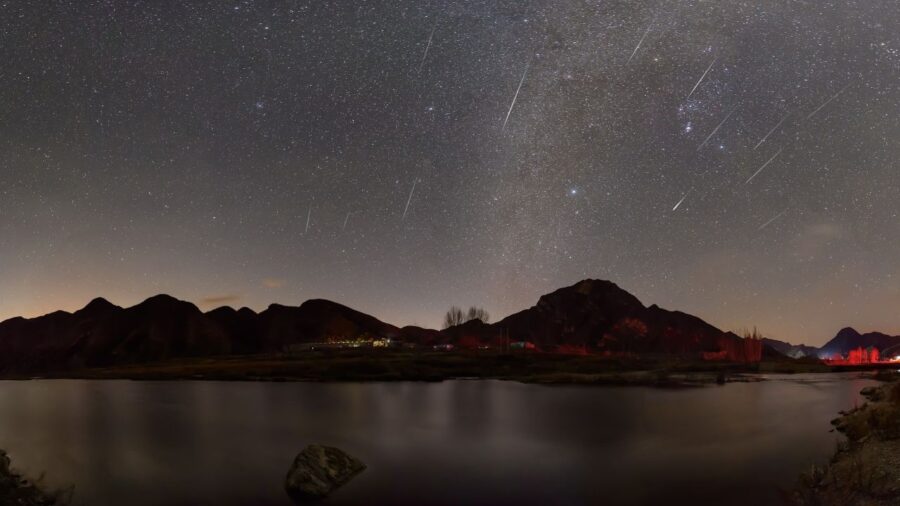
column 392, row 366
column 18, row 490
column 865, row 468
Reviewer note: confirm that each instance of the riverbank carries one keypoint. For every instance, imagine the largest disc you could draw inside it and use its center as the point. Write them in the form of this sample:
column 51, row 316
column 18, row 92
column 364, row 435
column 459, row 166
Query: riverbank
column 16, row 490
column 865, row 469
column 390, row 365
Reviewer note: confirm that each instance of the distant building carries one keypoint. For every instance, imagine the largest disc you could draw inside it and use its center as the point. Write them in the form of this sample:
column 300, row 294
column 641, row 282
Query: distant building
column 386, row 342
column 522, row 345
column 341, row 343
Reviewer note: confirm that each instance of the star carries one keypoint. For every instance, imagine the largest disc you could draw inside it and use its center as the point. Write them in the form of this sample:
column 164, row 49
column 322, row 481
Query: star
column 485, row 137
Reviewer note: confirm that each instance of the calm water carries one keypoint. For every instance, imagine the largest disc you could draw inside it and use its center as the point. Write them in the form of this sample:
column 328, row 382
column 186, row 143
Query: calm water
column 459, row 442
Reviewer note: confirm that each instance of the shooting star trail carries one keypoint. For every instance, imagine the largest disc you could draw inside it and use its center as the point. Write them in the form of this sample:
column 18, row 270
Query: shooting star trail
column 764, row 166
column 516, row 96
column 703, row 76
column 308, row 216
column 766, row 224
column 428, row 46
column 682, row 199
column 710, row 136
column 406, row 209
column 758, row 144
column 827, row 102
column 641, row 41
column 346, row 218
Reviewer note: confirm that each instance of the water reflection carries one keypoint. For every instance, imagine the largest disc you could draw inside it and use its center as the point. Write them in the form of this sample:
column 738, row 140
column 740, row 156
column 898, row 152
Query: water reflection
column 473, row 442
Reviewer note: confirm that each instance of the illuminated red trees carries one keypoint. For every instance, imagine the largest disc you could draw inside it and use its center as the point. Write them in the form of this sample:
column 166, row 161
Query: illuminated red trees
column 858, row 356
column 748, row 349
column 863, row 356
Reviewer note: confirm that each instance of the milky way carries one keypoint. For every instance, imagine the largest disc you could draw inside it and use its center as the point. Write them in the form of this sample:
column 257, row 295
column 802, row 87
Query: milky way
column 257, row 152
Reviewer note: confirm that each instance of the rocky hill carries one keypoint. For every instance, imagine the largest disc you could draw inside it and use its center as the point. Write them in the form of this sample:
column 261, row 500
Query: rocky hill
column 597, row 315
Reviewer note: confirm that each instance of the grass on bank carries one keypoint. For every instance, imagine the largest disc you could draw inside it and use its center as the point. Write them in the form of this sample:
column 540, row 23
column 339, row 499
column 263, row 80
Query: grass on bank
column 865, row 469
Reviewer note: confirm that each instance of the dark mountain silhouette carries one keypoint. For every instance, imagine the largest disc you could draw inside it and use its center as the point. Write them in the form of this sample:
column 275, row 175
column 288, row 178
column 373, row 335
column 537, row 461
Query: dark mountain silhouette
column 316, row 321
column 163, row 327
column 791, row 350
column 241, row 324
column 849, row 339
column 591, row 315
column 597, row 315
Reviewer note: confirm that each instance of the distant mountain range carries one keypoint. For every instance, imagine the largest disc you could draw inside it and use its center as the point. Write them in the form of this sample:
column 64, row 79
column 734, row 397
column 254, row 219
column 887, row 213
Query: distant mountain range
column 848, row 339
column 162, row 327
column 791, row 350
column 591, row 315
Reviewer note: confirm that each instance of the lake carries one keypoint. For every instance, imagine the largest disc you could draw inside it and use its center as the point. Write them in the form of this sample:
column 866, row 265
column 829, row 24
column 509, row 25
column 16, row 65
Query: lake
column 456, row 442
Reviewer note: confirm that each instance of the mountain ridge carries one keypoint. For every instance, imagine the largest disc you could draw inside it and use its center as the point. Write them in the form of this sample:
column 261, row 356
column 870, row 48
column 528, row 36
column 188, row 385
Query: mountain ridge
column 848, row 338
column 594, row 316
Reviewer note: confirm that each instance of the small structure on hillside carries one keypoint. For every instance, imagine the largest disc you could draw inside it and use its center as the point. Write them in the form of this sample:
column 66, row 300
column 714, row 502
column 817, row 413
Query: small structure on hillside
column 522, row 345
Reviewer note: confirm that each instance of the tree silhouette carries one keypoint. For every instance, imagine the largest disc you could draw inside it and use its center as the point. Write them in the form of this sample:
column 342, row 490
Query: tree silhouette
column 455, row 316
column 477, row 313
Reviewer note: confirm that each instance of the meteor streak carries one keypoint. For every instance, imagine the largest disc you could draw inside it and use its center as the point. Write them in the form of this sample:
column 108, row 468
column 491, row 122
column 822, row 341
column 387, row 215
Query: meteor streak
column 406, row 209
column 771, row 131
column 701, row 77
column 513, row 104
column 764, row 166
column 682, row 200
column 640, row 42
column 428, row 46
column 710, row 136
column 766, row 224
column 827, row 102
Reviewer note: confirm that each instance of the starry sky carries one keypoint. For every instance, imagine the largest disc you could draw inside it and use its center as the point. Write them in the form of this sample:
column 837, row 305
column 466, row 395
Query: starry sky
column 737, row 160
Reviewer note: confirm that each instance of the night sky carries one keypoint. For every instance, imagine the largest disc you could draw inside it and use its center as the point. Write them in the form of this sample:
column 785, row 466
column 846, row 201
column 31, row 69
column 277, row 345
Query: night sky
column 737, row 160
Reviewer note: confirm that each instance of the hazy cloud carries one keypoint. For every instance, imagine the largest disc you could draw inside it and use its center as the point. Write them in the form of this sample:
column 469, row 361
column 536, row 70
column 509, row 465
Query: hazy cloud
column 817, row 238
column 273, row 283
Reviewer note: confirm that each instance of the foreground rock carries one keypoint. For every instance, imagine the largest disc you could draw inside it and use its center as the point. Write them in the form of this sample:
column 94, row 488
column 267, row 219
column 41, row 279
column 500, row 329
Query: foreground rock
column 319, row 470
column 865, row 470
column 14, row 489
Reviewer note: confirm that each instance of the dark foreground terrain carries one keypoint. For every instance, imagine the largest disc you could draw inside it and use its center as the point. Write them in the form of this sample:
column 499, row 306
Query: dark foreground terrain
column 865, row 469
column 392, row 365
column 17, row 490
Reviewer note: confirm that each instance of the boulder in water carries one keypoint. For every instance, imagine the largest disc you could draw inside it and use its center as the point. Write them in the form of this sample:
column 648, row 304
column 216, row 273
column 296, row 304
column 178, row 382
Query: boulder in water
column 319, row 470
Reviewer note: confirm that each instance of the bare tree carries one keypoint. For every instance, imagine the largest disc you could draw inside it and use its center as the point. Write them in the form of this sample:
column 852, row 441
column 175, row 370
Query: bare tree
column 478, row 313
column 454, row 317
